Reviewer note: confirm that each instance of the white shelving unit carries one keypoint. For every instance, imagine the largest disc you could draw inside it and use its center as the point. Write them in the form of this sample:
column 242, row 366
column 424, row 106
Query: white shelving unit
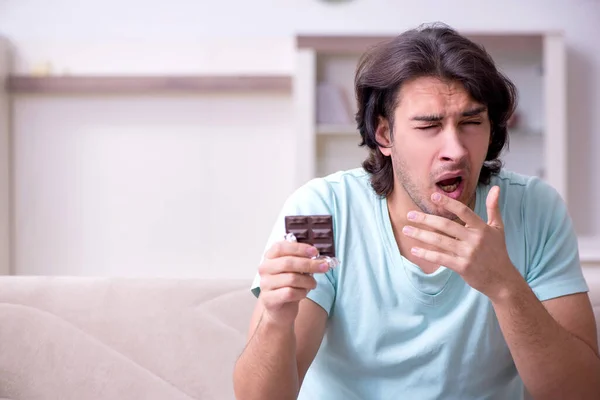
column 535, row 62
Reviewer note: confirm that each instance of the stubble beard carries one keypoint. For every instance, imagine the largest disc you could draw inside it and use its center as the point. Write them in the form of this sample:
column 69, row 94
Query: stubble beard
column 422, row 200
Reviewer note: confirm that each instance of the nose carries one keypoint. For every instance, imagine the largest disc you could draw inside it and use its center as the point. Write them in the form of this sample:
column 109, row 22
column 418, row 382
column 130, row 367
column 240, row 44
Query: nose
column 453, row 148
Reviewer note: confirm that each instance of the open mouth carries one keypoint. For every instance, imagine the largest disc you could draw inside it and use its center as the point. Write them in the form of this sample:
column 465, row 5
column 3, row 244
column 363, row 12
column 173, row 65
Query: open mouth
column 450, row 185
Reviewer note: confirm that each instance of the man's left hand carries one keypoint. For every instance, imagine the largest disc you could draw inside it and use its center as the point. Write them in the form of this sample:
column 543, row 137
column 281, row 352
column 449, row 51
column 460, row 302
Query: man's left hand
column 476, row 251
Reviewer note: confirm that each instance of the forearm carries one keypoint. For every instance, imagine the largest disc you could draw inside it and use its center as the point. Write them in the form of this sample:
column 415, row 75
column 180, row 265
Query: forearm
column 553, row 363
column 267, row 368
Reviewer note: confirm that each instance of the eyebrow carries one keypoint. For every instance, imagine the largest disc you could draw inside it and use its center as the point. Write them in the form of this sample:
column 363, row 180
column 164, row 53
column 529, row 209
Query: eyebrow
column 437, row 117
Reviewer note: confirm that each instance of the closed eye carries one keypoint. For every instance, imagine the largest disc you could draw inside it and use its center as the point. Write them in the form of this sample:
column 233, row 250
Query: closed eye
column 472, row 123
column 426, row 127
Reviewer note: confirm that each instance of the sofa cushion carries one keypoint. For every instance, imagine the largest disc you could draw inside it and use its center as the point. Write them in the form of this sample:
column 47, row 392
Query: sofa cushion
column 95, row 338
column 116, row 338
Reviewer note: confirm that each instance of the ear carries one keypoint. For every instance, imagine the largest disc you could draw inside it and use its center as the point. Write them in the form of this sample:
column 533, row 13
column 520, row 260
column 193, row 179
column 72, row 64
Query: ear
column 383, row 136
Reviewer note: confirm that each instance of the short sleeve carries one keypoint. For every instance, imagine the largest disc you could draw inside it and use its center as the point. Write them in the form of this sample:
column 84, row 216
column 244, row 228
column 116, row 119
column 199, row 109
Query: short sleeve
column 554, row 269
column 313, row 198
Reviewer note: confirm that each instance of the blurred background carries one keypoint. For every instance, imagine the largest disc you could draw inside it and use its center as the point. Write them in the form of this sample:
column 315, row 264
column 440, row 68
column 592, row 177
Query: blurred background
column 147, row 138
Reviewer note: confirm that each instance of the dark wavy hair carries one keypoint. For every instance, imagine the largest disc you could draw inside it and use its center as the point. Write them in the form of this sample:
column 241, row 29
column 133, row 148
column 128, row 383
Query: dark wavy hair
column 435, row 50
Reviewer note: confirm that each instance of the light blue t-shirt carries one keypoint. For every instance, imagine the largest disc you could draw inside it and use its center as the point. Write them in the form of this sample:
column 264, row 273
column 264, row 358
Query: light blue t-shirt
column 394, row 332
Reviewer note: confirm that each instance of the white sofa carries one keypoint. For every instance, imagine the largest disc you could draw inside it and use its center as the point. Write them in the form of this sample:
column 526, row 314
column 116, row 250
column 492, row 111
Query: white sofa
column 109, row 338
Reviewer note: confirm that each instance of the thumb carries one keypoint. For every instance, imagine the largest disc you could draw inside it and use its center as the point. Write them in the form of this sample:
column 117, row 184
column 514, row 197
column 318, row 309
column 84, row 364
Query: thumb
column 493, row 208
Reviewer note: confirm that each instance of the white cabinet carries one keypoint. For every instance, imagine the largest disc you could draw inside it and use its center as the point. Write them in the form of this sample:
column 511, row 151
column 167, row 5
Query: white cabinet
column 325, row 106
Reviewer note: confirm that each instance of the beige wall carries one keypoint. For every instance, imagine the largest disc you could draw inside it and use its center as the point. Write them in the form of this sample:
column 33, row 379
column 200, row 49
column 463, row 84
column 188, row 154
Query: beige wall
column 148, row 186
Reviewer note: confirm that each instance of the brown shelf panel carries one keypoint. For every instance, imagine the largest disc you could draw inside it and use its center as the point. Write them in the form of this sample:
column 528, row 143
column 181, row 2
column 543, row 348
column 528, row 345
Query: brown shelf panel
column 339, row 44
column 356, row 44
column 147, row 84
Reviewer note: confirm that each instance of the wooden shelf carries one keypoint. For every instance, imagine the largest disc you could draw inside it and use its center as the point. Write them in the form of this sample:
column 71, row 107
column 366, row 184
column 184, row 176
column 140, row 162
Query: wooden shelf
column 338, row 44
column 22, row 84
column 357, row 44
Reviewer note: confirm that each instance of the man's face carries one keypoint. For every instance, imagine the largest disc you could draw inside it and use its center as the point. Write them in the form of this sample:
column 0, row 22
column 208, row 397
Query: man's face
column 439, row 142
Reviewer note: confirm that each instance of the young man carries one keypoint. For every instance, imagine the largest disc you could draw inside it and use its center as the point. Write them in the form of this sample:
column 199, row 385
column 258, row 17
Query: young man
column 458, row 280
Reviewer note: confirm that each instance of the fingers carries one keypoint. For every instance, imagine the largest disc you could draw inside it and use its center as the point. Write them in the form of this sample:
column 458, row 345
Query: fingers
column 493, row 207
column 286, row 273
column 438, row 240
column 292, row 280
column 459, row 209
column 285, row 248
column 436, row 257
column 440, row 224
column 301, row 265
column 286, row 256
column 286, row 287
